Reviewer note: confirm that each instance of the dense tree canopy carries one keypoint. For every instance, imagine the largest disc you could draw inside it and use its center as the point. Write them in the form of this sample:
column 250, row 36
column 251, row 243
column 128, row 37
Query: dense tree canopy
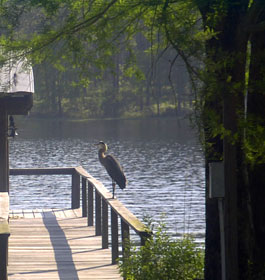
column 111, row 49
column 128, row 52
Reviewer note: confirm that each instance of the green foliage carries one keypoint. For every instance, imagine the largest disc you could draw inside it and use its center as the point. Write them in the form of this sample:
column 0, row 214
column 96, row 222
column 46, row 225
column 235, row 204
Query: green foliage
column 254, row 142
column 163, row 258
column 110, row 51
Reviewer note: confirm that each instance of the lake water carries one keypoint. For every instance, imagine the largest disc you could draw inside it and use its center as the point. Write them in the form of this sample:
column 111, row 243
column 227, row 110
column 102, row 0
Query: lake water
column 162, row 160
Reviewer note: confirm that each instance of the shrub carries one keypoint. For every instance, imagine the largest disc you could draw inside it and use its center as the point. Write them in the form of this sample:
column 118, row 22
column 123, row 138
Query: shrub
column 162, row 258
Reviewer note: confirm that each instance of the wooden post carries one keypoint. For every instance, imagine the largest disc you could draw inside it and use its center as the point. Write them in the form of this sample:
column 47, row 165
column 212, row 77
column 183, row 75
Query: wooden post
column 90, row 214
column 84, row 198
column 98, row 213
column 4, row 158
column 4, row 234
column 105, row 225
column 3, row 255
column 143, row 239
column 75, row 190
column 125, row 235
column 114, row 236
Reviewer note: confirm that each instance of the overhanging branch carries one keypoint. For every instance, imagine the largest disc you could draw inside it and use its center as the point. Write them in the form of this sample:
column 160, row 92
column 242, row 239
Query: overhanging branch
column 254, row 28
column 254, row 14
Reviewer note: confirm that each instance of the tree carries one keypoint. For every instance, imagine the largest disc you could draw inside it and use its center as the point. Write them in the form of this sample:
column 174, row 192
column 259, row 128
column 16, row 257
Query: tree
column 212, row 38
column 227, row 52
column 255, row 152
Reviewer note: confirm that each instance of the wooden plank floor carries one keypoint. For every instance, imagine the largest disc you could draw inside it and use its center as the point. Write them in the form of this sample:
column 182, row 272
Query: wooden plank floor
column 56, row 244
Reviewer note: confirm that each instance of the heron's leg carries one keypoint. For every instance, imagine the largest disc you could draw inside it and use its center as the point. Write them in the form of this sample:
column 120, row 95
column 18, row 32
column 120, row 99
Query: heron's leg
column 113, row 188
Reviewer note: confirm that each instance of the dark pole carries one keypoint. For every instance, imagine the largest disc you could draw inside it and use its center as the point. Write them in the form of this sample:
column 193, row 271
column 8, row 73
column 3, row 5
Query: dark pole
column 230, row 179
column 4, row 158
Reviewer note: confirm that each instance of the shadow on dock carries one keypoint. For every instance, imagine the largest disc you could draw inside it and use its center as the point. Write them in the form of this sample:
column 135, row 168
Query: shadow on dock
column 61, row 248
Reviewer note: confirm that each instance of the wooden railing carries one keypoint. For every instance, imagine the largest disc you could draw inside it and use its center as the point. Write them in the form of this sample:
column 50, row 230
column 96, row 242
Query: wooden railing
column 96, row 202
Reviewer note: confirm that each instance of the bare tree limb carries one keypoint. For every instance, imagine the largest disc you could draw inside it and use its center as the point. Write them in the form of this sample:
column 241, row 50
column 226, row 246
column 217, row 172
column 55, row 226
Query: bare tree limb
column 252, row 22
column 171, row 82
column 254, row 28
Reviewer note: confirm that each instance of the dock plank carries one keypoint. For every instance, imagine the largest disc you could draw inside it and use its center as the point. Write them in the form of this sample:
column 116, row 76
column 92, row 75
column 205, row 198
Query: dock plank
column 56, row 244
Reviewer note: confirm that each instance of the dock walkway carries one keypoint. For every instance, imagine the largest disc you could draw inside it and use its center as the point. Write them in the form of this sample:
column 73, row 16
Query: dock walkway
column 56, row 244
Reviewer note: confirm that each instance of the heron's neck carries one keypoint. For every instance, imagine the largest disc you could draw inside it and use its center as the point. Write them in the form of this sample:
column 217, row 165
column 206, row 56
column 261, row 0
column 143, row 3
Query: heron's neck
column 101, row 156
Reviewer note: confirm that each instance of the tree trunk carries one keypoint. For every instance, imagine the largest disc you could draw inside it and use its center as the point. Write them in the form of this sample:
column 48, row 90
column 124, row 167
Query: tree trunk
column 234, row 47
column 256, row 118
column 227, row 56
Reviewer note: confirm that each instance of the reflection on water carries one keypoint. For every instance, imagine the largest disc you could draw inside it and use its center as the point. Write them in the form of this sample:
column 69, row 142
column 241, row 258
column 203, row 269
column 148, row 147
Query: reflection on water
column 162, row 160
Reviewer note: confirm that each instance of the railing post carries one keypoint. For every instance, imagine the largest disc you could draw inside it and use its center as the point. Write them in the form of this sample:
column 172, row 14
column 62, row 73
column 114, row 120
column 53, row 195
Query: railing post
column 3, row 256
column 125, row 235
column 84, row 197
column 105, row 225
column 144, row 236
column 90, row 214
column 114, row 236
column 4, row 159
column 98, row 213
column 75, row 190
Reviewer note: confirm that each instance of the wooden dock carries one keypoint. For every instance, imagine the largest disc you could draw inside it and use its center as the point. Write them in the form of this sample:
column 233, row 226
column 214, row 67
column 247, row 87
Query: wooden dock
column 69, row 244
column 56, row 244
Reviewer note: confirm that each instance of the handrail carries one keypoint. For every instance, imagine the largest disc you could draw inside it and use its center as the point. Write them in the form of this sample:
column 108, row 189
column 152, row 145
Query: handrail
column 42, row 171
column 115, row 204
column 54, row 171
column 95, row 195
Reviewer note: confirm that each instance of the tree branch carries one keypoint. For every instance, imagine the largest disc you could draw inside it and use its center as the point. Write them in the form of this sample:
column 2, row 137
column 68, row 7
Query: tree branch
column 67, row 30
column 91, row 20
column 254, row 14
column 254, row 28
column 171, row 82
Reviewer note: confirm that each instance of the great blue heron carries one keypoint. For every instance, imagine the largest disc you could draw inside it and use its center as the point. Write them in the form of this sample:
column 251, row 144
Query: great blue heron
column 112, row 166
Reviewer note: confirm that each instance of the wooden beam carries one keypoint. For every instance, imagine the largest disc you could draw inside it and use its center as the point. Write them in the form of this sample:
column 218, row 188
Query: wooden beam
column 3, row 254
column 4, row 234
column 75, row 190
column 114, row 237
column 4, row 159
column 19, row 103
column 105, row 225
column 84, row 197
column 43, row 171
column 98, row 213
column 90, row 206
column 125, row 236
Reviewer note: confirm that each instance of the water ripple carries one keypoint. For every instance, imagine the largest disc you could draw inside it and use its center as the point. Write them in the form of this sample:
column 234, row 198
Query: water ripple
column 165, row 175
